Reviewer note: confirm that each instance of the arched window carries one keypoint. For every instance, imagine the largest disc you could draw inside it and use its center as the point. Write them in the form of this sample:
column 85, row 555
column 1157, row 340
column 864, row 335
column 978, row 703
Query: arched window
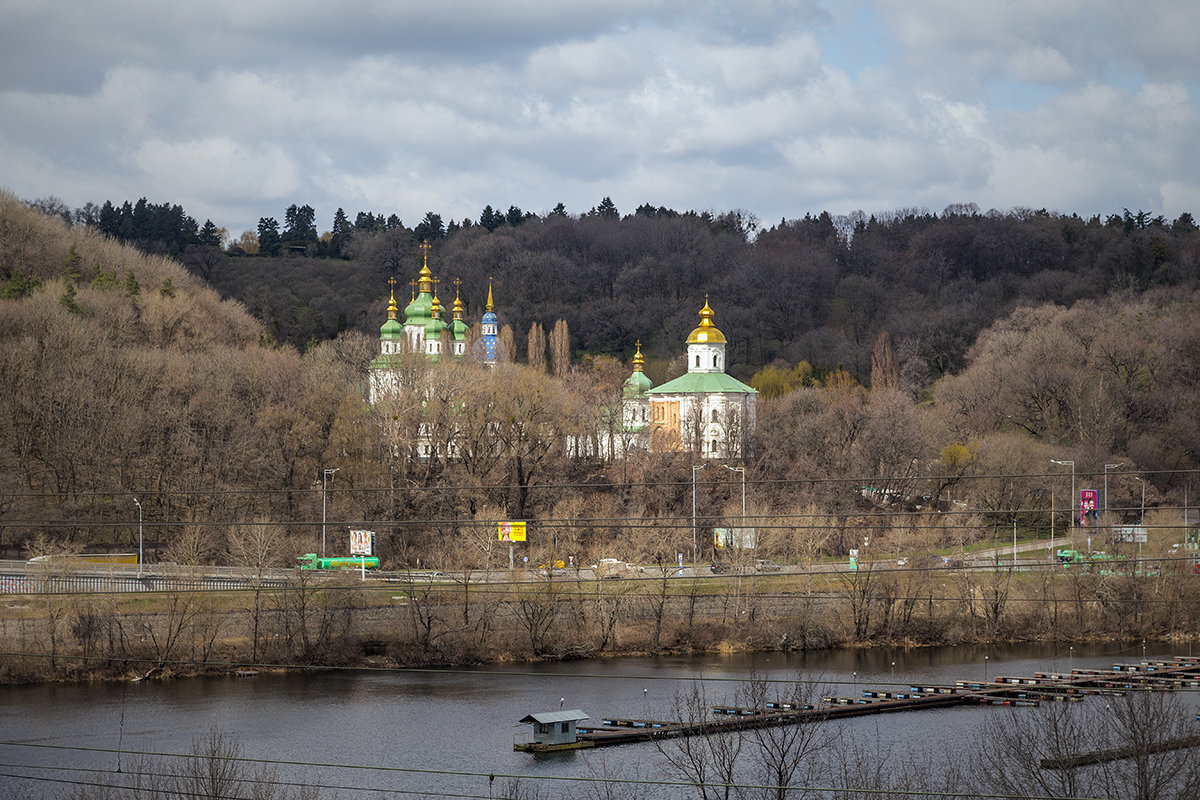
column 714, row 447
column 715, row 365
column 715, row 418
column 697, row 361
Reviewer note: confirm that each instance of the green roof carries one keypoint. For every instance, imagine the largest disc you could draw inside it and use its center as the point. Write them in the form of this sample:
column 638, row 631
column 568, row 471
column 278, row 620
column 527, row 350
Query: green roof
column 391, row 330
column 637, row 384
column 420, row 310
column 703, row 383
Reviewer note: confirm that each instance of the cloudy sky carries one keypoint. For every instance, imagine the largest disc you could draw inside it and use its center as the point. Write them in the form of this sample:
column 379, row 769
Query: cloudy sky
column 238, row 108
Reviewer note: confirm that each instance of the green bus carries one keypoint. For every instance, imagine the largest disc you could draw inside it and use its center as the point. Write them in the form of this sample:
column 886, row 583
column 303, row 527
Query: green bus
column 313, row 561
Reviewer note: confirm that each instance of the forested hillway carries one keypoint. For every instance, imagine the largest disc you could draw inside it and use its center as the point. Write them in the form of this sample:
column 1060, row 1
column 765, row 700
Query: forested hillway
column 135, row 390
column 819, row 289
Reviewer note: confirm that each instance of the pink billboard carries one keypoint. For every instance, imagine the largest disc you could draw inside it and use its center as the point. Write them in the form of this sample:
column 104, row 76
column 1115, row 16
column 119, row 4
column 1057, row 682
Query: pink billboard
column 1089, row 509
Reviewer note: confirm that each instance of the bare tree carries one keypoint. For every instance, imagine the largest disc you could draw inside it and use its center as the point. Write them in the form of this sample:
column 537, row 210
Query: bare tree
column 707, row 761
column 1032, row 752
column 560, row 349
column 786, row 754
column 537, row 347
column 885, row 372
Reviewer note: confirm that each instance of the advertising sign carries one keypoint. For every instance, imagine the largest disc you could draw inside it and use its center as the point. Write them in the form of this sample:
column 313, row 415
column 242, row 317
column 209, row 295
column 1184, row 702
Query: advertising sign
column 1136, row 534
column 362, row 543
column 512, row 531
column 743, row 538
column 1089, row 509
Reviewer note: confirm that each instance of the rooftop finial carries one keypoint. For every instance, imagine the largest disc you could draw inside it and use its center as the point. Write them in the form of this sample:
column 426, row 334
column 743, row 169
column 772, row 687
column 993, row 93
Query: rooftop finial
column 425, row 277
column 638, row 361
column 458, row 306
column 392, row 298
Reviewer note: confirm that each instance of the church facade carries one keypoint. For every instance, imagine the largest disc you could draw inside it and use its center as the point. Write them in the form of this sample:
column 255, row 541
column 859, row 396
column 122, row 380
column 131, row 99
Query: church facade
column 425, row 331
column 705, row 411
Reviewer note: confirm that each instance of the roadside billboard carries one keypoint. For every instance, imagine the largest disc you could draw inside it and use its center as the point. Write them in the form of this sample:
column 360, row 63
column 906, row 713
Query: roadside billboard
column 512, row 532
column 1089, row 508
column 362, row 543
column 738, row 538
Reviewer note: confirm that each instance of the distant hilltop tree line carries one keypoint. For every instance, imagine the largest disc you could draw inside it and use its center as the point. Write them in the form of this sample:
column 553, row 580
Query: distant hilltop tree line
column 167, row 228
column 811, row 293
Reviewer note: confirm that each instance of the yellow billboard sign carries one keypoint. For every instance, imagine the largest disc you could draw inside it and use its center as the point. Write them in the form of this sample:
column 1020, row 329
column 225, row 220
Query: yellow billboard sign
column 512, row 531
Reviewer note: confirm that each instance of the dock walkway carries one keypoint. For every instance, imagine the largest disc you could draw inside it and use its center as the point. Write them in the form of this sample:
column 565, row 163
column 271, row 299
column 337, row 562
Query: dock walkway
column 1182, row 671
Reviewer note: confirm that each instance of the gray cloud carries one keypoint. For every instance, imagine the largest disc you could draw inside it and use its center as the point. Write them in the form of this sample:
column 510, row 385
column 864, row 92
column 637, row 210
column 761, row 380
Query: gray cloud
column 237, row 109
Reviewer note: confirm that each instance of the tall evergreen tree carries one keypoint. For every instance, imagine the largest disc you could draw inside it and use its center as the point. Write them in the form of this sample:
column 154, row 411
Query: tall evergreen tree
column 268, row 236
column 210, row 234
column 490, row 219
column 339, row 234
column 607, row 209
column 430, row 228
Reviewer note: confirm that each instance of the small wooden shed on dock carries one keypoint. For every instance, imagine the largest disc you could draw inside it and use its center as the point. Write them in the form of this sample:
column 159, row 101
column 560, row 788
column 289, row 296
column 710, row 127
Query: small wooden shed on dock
column 555, row 727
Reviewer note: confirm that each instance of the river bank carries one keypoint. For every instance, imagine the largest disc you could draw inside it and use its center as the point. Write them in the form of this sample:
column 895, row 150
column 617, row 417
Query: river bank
column 344, row 623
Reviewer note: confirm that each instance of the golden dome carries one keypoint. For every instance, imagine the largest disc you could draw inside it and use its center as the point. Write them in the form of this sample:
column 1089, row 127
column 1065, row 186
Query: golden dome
column 458, row 303
column 706, row 332
column 392, row 299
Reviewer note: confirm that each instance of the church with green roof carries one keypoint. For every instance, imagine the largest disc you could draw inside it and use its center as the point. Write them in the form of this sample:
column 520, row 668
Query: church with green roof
column 706, row 410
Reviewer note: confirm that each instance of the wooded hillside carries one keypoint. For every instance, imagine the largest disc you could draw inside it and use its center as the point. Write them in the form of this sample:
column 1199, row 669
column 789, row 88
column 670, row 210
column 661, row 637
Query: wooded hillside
column 128, row 376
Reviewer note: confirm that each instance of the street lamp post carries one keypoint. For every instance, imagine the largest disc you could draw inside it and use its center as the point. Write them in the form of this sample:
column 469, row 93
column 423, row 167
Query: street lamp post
column 1142, row 515
column 1070, row 464
column 743, row 471
column 695, row 544
column 1107, row 523
column 325, row 476
column 139, row 505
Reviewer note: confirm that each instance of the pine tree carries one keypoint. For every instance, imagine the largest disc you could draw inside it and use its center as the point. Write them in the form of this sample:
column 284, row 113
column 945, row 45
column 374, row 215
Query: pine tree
column 210, row 234
column 73, row 272
column 67, row 300
column 607, row 209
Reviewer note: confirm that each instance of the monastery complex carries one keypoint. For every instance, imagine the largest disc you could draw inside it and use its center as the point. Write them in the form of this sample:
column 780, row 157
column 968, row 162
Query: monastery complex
column 705, row 410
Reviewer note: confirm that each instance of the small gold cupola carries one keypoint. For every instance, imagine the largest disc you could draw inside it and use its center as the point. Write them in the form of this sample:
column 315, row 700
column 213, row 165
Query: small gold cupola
column 458, row 304
column 425, row 276
column 706, row 332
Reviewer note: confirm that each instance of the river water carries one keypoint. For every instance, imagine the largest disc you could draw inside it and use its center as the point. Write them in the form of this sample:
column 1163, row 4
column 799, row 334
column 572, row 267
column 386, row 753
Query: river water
column 446, row 731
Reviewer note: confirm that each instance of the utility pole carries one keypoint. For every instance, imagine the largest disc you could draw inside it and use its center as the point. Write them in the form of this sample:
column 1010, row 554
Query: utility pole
column 1107, row 522
column 139, row 505
column 1074, row 521
column 325, row 476
column 695, row 541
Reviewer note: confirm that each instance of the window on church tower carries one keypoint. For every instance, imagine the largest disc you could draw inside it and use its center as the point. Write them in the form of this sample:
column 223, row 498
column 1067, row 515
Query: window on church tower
column 714, row 360
column 714, row 416
column 697, row 362
column 713, row 448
